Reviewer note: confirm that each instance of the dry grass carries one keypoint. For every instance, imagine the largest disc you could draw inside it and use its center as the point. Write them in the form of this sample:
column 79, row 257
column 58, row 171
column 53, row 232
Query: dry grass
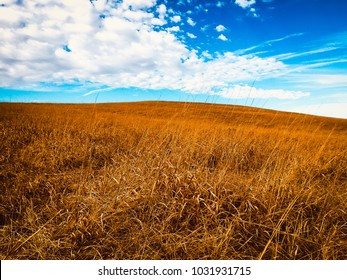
column 158, row 180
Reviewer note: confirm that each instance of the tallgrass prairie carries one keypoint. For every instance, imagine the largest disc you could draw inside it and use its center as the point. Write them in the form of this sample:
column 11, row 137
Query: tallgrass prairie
column 165, row 180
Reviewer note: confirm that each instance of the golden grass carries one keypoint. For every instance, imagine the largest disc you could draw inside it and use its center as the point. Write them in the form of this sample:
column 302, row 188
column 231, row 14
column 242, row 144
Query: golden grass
column 161, row 180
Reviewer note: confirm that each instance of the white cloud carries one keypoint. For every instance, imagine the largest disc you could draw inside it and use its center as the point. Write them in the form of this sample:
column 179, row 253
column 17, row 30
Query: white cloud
column 253, row 12
column 245, row 3
column 222, row 37
column 207, row 55
column 240, row 91
column 191, row 22
column 158, row 21
column 176, row 18
column 162, row 11
column 173, row 29
column 222, row 72
column 123, row 48
column 220, row 28
column 190, row 35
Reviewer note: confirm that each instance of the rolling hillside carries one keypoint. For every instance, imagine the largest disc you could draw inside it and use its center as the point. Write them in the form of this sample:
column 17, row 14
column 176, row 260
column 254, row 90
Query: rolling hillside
column 166, row 180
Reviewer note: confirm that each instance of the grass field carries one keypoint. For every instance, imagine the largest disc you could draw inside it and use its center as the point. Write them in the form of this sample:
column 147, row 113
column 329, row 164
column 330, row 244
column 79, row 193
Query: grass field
column 162, row 180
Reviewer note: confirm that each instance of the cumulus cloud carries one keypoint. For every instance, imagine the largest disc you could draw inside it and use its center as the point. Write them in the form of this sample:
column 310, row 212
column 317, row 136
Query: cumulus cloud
column 114, row 45
column 176, row 18
column 190, row 35
column 173, row 29
column 191, row 22
column 222, row 37
column 161, row 11
column 245, row 3
column 220, row 28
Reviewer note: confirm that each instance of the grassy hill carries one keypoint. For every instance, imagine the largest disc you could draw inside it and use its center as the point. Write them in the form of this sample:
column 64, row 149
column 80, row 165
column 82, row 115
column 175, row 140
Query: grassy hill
column 165, row 180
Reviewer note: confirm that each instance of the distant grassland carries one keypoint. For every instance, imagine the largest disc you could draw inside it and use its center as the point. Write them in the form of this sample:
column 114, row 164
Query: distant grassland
column 162, row 180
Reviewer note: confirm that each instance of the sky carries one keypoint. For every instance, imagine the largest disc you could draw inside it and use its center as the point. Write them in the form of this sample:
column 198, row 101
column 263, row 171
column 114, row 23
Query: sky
column 288, row 55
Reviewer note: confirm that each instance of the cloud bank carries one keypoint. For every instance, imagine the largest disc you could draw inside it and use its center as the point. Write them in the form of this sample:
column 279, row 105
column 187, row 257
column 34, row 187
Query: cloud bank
column 118, row 45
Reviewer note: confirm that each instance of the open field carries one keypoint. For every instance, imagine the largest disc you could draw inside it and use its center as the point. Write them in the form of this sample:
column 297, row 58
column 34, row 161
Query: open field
column 161, row 180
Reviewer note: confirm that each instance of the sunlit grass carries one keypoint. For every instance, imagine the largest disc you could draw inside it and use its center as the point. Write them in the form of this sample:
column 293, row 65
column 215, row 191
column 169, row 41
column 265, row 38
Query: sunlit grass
column 159, row 180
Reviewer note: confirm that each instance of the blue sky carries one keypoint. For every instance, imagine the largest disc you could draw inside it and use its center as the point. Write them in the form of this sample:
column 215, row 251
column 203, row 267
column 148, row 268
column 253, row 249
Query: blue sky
column 288, row 55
